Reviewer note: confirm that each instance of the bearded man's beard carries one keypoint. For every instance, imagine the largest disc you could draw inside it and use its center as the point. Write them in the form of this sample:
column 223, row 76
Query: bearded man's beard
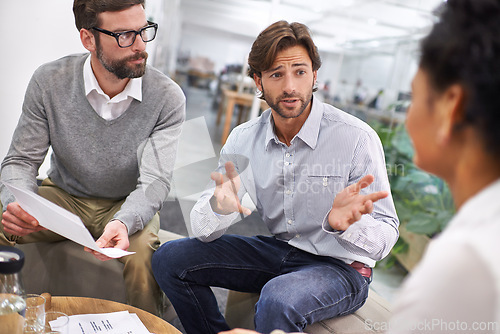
column 121, row 68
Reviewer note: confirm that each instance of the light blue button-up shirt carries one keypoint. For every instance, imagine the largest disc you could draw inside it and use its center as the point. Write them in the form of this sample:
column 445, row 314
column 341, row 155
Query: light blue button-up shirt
column 293, row 187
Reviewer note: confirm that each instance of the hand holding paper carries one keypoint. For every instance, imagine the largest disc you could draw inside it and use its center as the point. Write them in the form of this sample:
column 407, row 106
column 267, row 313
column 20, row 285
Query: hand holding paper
column 18, row 222
column 60, row 221
column 115, row 236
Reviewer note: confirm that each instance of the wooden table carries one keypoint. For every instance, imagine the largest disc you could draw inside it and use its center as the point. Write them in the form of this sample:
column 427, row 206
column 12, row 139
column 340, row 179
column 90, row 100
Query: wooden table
column 230, row 99
column 83, row 305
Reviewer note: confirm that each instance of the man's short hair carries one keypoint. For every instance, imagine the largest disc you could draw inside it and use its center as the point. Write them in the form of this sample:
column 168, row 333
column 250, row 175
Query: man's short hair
column 86, row 11
column 277, row 37
column 464, row 48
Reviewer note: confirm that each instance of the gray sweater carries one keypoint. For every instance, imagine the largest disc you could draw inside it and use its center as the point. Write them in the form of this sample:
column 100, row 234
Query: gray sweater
column 129, row 157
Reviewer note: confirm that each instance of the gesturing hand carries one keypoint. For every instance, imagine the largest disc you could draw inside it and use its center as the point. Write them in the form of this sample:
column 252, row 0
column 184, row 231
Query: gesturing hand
column 349, row 205
column 225, row 199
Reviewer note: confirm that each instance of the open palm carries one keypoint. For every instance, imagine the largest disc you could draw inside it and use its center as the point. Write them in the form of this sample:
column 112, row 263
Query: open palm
column 349, row 205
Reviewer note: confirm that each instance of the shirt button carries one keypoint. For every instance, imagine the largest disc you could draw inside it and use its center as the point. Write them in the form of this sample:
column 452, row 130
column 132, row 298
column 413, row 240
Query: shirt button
column 290, row 222
column 287, row 163
column 288, row 192
column 297, row 235
column 287, row 155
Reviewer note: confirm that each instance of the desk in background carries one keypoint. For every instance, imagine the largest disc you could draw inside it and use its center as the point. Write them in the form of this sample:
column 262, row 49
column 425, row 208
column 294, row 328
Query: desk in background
column 230, row 99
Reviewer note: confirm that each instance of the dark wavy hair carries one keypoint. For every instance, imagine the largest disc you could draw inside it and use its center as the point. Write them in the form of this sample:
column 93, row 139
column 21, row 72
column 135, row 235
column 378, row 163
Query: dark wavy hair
column 86, row 11
column 277, row 37
column 463, row 48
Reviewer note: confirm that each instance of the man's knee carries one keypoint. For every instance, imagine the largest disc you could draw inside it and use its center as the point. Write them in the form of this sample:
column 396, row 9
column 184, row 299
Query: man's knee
column 276, row 306
column 275, row 296
column 146, row 240
column 171, row 258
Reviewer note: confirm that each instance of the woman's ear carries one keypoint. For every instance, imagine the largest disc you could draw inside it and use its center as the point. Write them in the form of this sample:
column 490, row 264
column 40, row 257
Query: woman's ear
column 451, row 106
column 88, row 40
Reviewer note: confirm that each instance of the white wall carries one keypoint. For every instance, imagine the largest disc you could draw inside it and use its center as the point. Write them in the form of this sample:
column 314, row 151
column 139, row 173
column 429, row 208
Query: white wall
column 374, row 71
column 391, row 72
column 221, row 48
column 33, row 32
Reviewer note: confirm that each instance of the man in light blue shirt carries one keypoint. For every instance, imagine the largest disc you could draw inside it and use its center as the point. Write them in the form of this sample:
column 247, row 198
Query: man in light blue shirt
column 318, row 179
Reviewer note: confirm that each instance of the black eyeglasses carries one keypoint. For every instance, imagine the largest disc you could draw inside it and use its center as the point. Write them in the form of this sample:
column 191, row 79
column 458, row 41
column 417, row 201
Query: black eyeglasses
column 127, row 38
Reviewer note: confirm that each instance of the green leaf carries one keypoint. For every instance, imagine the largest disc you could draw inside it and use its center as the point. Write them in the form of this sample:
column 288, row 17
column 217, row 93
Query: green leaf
column 388, row 262
column 404, row 212
column 402, row 143
column 417, row 176
column 444, row 218
column 423, row 223
column 401, row 246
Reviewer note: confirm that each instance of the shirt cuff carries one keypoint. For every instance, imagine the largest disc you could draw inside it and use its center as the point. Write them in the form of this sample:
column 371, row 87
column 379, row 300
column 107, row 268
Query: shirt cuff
column 327, row 228
column 206, row 222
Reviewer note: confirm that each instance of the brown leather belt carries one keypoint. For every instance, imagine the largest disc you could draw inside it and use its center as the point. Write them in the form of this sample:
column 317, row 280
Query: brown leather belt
column 362, row 269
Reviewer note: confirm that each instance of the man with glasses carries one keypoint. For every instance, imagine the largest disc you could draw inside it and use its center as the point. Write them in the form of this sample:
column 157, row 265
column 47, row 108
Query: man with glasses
column 113, row 123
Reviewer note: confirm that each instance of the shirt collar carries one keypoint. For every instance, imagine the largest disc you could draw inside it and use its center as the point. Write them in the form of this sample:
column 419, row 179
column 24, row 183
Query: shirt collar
column 270, row 135
column 133, row 88
column 309, row 131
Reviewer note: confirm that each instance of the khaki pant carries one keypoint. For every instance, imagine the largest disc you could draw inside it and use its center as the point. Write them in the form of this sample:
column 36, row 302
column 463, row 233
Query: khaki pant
column 141, row 287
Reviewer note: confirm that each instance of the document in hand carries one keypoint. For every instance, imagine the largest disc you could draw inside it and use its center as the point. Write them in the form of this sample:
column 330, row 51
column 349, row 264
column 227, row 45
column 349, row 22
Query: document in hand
column 60, row 221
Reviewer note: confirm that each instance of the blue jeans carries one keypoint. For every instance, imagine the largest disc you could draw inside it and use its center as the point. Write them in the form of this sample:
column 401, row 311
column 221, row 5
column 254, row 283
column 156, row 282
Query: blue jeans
column 296, row 288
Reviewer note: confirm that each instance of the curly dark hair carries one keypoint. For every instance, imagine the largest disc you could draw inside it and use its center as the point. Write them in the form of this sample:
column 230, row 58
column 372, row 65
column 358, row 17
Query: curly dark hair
column 463, row 48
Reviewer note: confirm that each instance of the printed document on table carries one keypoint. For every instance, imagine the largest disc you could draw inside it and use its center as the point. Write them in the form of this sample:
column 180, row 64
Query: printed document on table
column 121, row 322
column 60, row 221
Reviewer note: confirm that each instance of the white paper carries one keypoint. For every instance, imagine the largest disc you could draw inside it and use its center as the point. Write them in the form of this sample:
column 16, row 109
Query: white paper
column 110, row 323
column 60, row 221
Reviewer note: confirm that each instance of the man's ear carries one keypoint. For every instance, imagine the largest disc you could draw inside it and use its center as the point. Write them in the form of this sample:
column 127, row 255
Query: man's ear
column 88, row 39
column 315, row 76
column 451, row 105
column 258, row 81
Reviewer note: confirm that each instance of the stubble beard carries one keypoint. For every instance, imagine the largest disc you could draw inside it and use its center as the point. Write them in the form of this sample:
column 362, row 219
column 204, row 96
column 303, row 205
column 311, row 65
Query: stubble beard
column 120, row 67
column 274, row 104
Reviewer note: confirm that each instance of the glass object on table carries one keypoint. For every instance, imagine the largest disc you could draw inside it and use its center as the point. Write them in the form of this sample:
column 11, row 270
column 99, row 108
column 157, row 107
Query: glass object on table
column 12, row 299
column 35, row 314
column 56, row 323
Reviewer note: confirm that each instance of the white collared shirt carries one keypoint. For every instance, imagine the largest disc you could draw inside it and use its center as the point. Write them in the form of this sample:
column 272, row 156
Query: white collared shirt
column 105, row 107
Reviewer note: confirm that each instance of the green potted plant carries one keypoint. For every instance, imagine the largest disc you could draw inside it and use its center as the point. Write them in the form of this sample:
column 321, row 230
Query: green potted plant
column 423, row 202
